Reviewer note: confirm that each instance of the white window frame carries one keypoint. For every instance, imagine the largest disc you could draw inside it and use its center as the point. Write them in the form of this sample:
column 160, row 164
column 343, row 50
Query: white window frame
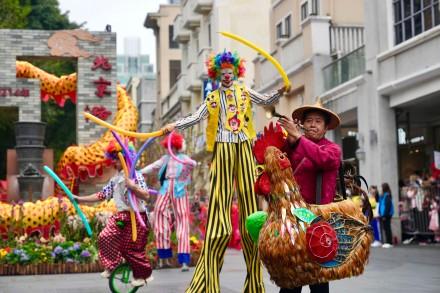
column 209, row 29
column 307, row 10
column 314, row 4
column 401, row 23
column 280, row 25
column 287, row 30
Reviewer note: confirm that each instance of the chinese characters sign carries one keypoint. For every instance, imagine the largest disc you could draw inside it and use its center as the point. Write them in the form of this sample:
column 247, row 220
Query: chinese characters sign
column 101, row 62
column 102, row 84
column 98, row 111
column 11, row 92
column 101, row 87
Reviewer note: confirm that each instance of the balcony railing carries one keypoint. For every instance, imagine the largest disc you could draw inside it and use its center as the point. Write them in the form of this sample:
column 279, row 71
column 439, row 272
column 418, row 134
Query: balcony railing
column 191, row 20
column 177, row 94
column 194, row 84
column 345, row 39
column 344, row 69
column 203, row 6
column 183, row 93
column 181, row 34
column 201, row 67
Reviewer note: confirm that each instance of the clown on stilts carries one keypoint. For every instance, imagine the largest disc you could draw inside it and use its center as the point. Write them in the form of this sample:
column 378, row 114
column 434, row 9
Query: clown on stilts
column 174, row 177
column 229, row 136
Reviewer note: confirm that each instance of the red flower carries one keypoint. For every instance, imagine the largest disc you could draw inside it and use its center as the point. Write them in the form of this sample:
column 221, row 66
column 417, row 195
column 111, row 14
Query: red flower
column 322, row 242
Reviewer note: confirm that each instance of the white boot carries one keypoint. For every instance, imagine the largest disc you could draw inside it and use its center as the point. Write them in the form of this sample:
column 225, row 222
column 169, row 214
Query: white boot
column 149, row 279
column 138, row 282
column 106, row 274
column 164, row 263
column 185, row 267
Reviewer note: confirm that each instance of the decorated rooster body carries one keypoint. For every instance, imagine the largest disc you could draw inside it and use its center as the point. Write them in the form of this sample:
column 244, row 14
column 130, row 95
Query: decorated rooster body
column 299, row 243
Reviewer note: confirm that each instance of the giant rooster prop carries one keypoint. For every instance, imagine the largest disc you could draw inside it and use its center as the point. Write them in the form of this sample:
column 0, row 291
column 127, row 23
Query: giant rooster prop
column 299, row 243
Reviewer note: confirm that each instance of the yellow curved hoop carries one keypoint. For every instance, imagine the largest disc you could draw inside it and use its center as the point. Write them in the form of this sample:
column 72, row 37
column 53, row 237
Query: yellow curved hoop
column 259, row 169
column 132, row 216
column 262, row 52
column 139, row 135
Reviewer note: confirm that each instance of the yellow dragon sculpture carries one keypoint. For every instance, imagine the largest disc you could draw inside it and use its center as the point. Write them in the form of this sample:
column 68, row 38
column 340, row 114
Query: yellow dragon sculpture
column 83, row 161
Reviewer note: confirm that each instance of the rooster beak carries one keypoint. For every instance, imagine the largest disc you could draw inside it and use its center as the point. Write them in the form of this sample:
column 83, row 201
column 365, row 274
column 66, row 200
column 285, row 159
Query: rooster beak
column 284, row 164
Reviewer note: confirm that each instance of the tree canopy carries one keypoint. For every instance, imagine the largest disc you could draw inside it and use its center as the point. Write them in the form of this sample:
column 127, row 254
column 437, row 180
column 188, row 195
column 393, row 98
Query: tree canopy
column 61, row 122
column 34, row 14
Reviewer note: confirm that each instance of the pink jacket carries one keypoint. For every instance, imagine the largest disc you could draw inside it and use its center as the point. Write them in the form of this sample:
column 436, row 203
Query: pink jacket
column 307, row 158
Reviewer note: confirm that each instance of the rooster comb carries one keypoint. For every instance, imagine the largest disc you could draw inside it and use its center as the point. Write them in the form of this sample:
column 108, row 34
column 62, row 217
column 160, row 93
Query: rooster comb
column 273, row 135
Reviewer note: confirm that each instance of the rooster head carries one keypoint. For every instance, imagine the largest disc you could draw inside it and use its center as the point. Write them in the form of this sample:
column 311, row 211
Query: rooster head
column 274, row 165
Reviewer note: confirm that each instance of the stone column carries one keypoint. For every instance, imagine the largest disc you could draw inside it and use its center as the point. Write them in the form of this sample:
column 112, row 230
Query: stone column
column 376, row 119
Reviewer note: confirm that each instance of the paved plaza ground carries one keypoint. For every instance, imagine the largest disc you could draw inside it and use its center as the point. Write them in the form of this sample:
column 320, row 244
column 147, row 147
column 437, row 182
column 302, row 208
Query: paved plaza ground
column 401, row 269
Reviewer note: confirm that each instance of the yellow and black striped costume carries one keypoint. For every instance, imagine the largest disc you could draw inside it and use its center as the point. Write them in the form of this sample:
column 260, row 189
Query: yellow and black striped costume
column 232, row 166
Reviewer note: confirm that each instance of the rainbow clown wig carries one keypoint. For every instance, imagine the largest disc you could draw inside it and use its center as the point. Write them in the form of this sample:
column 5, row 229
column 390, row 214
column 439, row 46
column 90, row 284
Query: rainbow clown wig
column 112, row 150
column 216, row 63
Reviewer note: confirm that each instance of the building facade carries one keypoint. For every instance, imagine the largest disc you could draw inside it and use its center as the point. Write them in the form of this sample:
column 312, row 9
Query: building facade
column 197, row 30
column 132, row 63
column 143, row 92
column 305, row 36
column 392, row 89
column 168, row 60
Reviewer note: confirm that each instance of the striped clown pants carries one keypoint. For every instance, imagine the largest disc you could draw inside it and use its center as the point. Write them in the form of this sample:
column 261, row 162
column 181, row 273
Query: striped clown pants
column 163, row 229
column 232, row 163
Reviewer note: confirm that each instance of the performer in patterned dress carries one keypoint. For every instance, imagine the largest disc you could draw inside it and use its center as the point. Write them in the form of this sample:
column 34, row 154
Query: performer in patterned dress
column 115, row 240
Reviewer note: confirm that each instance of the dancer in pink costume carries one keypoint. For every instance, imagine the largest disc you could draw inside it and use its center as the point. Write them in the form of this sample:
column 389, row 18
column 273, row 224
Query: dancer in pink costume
column 174, row 177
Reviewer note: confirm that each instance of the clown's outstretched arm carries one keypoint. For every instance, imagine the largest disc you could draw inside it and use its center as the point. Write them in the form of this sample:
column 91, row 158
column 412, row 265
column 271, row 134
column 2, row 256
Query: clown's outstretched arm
column 155, row 166
column 88, row 198
column 190, row 120
column 105, row 193
column 139, row 190
column 190, row 162
column 266, row 99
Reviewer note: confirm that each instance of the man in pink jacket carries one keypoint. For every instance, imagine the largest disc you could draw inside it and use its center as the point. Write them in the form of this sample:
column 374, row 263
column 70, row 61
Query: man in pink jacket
column 315, row 160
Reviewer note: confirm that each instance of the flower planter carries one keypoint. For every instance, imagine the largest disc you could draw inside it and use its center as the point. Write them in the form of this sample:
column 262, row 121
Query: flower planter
column 45, row 269
column 70, row 268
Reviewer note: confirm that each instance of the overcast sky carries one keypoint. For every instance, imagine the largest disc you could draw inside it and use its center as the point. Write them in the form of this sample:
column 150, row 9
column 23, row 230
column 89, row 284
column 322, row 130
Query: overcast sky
column 125, row 16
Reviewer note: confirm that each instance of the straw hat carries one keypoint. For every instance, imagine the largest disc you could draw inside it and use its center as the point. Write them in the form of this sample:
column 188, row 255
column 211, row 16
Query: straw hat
column 334, row 118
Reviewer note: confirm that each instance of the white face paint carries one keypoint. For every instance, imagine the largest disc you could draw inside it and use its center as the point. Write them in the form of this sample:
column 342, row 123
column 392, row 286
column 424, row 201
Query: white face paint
column 227, row 77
